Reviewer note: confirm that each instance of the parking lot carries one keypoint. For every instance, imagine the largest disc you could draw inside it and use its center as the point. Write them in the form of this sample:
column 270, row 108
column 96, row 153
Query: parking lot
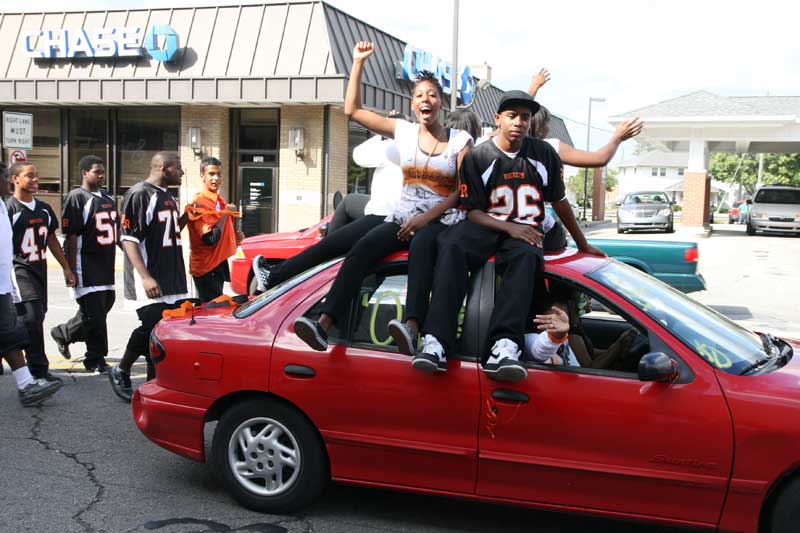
column 79, row 464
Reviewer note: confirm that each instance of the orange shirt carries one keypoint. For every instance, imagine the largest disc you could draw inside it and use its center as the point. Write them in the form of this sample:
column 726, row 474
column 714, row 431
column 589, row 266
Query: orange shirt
column 204, row 213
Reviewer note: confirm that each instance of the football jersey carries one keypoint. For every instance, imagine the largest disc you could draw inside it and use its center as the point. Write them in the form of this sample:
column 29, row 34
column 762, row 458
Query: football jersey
column 30, row 230
column 512, row 189
column 150, row 219
column 93, row 219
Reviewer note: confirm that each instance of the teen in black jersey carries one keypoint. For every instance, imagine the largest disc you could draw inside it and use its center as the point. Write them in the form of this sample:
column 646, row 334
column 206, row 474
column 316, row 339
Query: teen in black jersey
column 155, row 275
column 33, row 225
column 91, row 224
column 504, row 184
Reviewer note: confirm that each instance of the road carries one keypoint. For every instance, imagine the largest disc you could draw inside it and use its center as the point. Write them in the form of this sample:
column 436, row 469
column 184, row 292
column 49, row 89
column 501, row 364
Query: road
column 78, row 463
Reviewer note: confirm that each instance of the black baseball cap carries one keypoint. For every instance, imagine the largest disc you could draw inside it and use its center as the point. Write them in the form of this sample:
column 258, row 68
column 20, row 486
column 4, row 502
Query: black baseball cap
column 515, row 98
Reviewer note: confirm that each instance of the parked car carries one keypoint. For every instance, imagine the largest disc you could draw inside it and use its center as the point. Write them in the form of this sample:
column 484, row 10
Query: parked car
column 673, row 262
column 645, row 210
column 698, row 425
column 733, row 215
column 776, row 208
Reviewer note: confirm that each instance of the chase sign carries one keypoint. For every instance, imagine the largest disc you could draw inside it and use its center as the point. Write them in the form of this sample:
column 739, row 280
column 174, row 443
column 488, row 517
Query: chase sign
column 416, row 60
column 128, row 41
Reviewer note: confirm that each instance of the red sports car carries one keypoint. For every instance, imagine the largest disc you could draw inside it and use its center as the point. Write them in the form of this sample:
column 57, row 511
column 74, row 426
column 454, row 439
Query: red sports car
column 697, row 422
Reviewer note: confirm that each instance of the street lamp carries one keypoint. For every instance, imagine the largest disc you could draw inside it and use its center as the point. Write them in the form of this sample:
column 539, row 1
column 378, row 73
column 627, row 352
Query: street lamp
column 586, row 170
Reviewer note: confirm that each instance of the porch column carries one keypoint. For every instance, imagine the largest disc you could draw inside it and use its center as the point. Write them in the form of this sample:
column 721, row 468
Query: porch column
column 696, row 183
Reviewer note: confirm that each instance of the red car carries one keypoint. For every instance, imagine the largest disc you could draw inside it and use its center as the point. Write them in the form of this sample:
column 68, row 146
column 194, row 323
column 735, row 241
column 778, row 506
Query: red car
column 696, row 424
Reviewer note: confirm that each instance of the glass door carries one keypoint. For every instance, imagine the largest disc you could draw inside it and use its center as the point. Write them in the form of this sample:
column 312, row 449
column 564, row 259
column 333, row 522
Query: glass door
column 258, row 193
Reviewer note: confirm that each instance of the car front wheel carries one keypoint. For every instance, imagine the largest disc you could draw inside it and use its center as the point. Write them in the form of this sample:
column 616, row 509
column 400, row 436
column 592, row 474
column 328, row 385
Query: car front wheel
column 786, row 512
column 750, row 229
column 269, row 457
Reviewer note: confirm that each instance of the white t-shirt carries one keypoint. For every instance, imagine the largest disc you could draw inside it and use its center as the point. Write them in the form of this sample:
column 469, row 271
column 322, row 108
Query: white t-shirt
column 427, row 179
column 387, row 182
column 6, row 252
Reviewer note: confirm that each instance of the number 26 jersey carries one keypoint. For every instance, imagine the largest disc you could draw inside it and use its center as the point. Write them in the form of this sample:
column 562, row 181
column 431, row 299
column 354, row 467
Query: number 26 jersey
column 508, row 188
column 150, row 219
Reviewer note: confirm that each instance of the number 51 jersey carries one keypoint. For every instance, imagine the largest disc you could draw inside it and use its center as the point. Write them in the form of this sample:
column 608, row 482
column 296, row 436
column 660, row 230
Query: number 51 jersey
column 150, row 219
column 93, row 219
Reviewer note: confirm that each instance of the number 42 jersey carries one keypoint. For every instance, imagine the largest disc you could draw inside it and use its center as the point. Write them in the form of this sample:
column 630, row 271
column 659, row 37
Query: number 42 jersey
column 31, row 226
column 92, row 217
column 150, row 219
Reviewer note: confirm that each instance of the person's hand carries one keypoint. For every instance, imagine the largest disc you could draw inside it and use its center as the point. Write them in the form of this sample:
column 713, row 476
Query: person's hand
column 239, row 237
column 151, row 287
column 363, row 50
column 525, row 233
column 629, row 128
column 69, row 278
column 589, row 249
column 408, row 229
column 539, row 79
column 555, row 322
column 232, row 207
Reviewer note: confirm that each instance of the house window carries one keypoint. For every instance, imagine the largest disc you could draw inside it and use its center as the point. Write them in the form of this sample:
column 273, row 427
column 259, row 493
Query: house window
column 663, row 171
column 680, row 172
column 654, row 172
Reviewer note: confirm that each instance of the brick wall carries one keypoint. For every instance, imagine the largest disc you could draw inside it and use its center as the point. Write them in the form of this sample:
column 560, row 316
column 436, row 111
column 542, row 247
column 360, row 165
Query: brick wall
column 696, row 190
column 213, row 123
column 339, row 154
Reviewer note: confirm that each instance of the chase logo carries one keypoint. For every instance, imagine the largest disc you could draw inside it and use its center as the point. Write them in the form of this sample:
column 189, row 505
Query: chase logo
column 160, row 42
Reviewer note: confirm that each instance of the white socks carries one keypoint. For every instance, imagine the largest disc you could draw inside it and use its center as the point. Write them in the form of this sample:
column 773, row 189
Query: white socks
column 23, row 377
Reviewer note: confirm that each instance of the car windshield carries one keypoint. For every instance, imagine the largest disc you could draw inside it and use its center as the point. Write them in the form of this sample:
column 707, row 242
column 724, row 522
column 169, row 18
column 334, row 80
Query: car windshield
column 778, row 196
column 720, row 341
column 645, row 198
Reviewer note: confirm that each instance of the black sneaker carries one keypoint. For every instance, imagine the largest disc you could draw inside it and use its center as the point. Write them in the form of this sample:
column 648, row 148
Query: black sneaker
column 504, row 365
column 102, row 367
column 403, row 337
column 90, row 366
column 38, row 391
column 61, row 343
column 121, row 383
column 50, row 377
column 311, row 333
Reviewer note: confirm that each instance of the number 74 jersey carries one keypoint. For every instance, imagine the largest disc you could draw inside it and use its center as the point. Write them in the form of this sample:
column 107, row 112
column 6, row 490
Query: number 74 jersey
column 93, row 218
column 150, row 219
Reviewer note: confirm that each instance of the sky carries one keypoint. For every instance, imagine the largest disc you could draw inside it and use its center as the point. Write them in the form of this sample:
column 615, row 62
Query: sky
column 633, row 53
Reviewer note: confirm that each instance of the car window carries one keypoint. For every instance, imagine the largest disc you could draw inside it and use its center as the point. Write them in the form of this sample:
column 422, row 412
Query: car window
column 778, row 196
column 382, row 298
column 645, row 198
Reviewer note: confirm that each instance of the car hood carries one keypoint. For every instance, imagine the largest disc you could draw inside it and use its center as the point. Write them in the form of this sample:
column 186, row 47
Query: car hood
column 779, row 384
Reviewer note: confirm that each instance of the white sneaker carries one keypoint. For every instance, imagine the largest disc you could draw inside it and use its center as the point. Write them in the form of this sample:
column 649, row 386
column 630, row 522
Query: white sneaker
column 430, row 357
column 504, row 365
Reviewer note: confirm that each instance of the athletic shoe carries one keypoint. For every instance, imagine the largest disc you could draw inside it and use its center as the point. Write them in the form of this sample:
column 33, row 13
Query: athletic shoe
column 504, row 363
column 90, row 366
column 311, row 333
column 430, row 357
column 38, row 391
column 102, row 367
column 61, row 343
column 50, row 377
column 121, row 383
column 403, row 337
column 261, row 272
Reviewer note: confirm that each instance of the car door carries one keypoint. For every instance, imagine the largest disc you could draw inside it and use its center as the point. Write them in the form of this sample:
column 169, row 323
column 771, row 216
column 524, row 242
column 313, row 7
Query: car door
column 603, row 440
column 382, row 421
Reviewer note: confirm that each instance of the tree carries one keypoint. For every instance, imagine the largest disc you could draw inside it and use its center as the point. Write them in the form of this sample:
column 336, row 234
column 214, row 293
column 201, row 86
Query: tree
column 575, row 183
column 742, row 169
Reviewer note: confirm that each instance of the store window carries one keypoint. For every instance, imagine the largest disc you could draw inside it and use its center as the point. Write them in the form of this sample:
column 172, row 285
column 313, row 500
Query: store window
column 46, row 152
column 88, row 135
column 141, row 132
column 358, row 178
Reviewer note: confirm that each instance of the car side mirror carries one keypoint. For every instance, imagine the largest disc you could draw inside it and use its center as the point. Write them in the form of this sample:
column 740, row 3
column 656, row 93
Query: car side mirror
column 618, row 203
column 323, row 230
column 658, row 366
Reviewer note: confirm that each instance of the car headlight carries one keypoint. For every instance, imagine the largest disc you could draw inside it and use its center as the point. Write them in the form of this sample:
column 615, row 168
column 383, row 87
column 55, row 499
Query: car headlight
column 665, row 212
column 797, row 217
column 239, row 253
column 758, row 216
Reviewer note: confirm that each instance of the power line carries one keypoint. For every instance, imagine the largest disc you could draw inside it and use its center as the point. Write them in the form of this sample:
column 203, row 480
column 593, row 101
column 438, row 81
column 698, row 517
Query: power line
column 562, row 117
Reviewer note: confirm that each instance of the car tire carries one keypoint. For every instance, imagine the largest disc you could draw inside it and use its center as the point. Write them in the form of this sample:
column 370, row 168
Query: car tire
column 671, row 228
column 281, row 445
column 620, row 230
column 786, row 510
column 750, row 229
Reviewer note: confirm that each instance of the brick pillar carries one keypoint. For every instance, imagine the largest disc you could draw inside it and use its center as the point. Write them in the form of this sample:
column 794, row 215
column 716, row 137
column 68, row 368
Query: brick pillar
column 300, row 180
column 338, row 148
column 213, row 124
column 598, row 195
column 696, row 191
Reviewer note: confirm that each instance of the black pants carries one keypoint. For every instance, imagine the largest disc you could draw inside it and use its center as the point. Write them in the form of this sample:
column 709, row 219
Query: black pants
column 555, row 239
column 32, row 315
column 350, row 209
column 139, row 341
column 89, row 325
column 210, row 284
column 466, row 247
column 373, row 247
column 333, row 245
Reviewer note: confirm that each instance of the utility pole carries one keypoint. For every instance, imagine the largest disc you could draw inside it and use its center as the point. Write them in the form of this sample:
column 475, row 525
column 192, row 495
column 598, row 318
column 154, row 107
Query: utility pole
column 760, row 180
column 454, row 81
column 586, row 170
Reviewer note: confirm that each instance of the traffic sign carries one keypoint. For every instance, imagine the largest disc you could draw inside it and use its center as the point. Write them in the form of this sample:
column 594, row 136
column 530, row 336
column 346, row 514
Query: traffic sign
column 17, row 130
column 17, row 156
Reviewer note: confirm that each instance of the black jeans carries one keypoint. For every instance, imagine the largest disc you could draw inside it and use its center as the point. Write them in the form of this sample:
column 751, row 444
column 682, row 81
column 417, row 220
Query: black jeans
column 373, row 247
column 465, row 248
column 210, row 284
column 89, row 325
column 333, row 245
column 13, row 334
column 32, row 315
column 139, row 341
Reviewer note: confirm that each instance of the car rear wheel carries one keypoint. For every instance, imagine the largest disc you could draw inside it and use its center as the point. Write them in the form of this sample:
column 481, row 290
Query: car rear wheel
column 620, row 230
column 786, row 511
column 750, row 229
column 269, row 457
column 671, row 227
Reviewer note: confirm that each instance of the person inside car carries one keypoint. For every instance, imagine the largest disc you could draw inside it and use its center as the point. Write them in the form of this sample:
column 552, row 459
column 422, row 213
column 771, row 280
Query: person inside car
column 429, row 156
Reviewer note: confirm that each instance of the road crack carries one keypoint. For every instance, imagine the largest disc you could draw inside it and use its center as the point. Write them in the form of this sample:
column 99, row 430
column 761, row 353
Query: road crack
column 87, row 466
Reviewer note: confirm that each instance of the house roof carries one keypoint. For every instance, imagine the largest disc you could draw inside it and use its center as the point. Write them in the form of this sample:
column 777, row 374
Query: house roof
column 707, row 104
column 657, row 158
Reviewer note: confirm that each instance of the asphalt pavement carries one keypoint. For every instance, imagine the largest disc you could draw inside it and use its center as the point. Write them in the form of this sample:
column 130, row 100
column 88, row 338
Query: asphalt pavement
column 78, row 463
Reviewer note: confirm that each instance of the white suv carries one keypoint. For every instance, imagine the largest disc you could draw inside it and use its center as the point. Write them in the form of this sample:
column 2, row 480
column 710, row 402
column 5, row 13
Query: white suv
column 775, row 208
